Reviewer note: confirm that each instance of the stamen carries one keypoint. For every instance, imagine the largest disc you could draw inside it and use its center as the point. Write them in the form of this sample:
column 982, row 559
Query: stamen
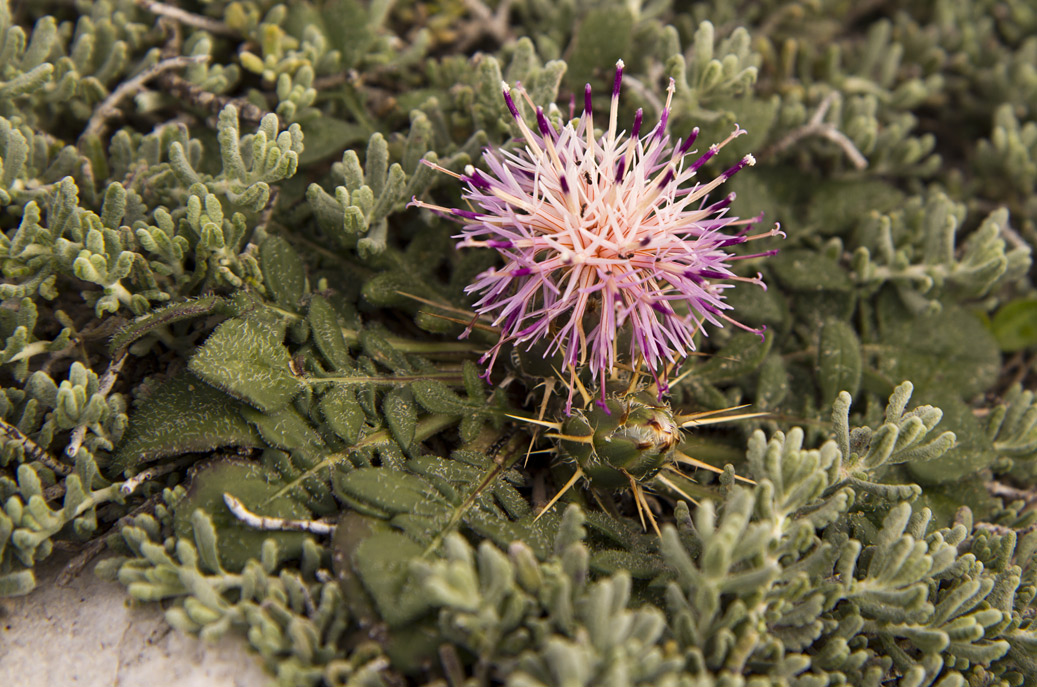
column 660, row 128
column 748, row 160
column 616, row 84
column 638, row 118
column 721, row 204
column 686, row 146
column 475, row 178
column 706, row 157
column 667, row 177
column 614, row 106
column 543, row 124
column 507, row 99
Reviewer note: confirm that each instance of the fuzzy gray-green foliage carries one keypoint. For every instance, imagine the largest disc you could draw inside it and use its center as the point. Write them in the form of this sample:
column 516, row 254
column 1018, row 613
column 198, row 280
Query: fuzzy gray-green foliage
column 211, row 284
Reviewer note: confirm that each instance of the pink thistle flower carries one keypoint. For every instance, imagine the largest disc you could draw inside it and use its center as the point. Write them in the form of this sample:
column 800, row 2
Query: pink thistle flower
column 598, row 234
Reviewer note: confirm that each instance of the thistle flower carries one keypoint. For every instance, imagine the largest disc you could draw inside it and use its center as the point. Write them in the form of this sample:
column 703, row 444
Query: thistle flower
column 599, row 234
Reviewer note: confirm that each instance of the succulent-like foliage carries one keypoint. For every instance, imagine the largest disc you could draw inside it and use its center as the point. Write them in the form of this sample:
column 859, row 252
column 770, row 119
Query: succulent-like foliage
column 230, row 353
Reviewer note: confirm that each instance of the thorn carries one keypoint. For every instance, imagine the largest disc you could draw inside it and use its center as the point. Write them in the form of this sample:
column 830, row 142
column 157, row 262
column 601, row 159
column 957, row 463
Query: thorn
column 688, row 460
column 680, row 378
column 637, row 500
column 635, row 377
column 585, row 439
column 642, row 504
column 677, row 471
column 717, row 420
column 549, row 385
column 557, row 426
column 707, row 413
column 579, row 386
column 677, row 489
column 568, row 485
column 529, row 450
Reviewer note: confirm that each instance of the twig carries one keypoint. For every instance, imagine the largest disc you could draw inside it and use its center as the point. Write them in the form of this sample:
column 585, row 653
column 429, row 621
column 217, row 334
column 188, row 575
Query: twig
column 133, row 483
column 1001, row 529
column 178, row 86
column 818, row 127
column 1028, row 496
column 268, row 211
column 494, row 24
column 190, row 19
column 104, row 387
column 97, row 544
column 262, row 522
column 1012, row 237
column 109, row 108
column 32, row 449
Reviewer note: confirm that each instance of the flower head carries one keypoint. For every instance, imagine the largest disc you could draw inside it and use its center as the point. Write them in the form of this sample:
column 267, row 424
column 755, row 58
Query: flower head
column 599, row 234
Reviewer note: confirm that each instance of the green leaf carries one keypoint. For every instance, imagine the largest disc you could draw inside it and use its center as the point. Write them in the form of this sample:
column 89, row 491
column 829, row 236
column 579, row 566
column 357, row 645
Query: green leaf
column 327, row 334
column 286, row 429
column 838, row 360
column 283, row 272
column 247, row 359
column 384, row 492
column 471, row 426
column 347, row 26
column 383, row 563
column 383, row 353
column 773, row 383
column 174, row 312
column 638, row 565
column 255, row 487
column 401, row 414
column 1015, row 325
column 739, row 356
column 183, row 415
column 949, row 350
column 836, row 206
column 342, row 413
column 327, row 136
column 755, row 307
column 804, row 270
column 436, row 397
column 972, row 451
column 387, row 288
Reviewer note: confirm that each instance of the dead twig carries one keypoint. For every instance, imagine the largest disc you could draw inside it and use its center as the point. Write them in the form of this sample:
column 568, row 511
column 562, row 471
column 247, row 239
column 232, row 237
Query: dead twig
column 33, row 450
column 109, row 108
column 270, row 524
column 818, row 127
column 486, row 23
column 104, row 387
column 188, row 18
column 96, row 545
